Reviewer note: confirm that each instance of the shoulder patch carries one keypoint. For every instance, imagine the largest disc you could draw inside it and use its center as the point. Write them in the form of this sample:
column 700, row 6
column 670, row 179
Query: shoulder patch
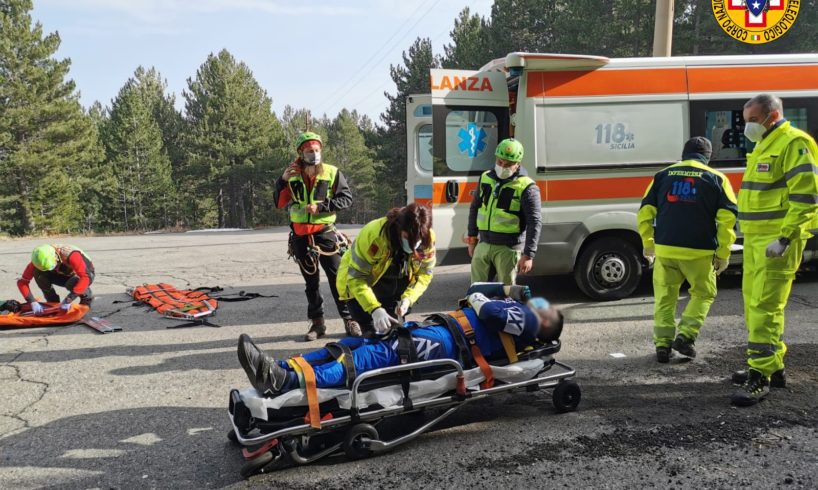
column 803, row 151
column 373, row 249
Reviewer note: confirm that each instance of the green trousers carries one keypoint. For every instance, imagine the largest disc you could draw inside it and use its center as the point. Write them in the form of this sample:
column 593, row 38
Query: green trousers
column 503, row 258
column 668, row 276
column 766, row 287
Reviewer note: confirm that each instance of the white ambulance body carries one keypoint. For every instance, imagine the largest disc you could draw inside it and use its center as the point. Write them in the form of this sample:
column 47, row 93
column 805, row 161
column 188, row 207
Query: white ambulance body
column 595, row 131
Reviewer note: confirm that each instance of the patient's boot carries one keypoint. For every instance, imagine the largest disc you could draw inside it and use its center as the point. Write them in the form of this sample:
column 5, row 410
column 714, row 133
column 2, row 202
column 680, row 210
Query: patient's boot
column 264, row 373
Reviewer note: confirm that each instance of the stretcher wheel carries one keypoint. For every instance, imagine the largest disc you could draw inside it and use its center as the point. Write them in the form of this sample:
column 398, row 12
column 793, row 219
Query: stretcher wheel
column 232, row 437
column 354, row 446
column 567, row 396
column 255, row 465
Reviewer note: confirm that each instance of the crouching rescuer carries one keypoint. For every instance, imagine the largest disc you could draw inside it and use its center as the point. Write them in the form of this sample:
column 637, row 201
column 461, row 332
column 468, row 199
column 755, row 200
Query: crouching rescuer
column 58, row 265
column 312, row 192
column 686, row 223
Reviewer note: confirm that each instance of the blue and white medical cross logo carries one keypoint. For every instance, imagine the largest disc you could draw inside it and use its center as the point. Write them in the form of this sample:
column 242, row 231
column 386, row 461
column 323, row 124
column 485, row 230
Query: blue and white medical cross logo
column 472, row 140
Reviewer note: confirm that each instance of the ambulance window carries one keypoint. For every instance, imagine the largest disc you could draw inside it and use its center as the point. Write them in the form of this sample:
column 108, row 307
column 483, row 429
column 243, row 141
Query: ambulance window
column 424, row 146
column 424, row 110
column 725, row 129
column 471, row 137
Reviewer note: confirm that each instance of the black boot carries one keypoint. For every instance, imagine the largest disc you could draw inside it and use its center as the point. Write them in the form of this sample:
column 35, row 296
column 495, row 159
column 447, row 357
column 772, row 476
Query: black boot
column 777, row 380
column 752, row 391
column 317, row 329
column 663, row 354
column 684, row 346
column 264, row 373
column 87, row 297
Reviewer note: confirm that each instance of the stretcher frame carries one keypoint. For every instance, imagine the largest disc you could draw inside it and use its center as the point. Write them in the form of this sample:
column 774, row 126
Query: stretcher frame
column 287, row 443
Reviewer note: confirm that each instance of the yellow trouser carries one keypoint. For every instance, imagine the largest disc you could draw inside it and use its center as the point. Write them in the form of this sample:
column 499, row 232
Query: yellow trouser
column 766, row 287
column 668, row 276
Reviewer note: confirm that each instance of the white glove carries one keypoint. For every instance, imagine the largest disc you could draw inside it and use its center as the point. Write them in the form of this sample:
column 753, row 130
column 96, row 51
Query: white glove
column 720, row 264
column 380, row 320
column 37, row 308
column 65, row 305
column 402, row 308
column 649, row 253
column 776, row 248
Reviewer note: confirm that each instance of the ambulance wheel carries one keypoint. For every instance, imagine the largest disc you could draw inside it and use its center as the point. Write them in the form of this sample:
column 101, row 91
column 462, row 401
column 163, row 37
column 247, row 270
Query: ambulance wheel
column 608, row 268
column 353, row 444
column 232, row 437
column 567, row 396
column 256, row 464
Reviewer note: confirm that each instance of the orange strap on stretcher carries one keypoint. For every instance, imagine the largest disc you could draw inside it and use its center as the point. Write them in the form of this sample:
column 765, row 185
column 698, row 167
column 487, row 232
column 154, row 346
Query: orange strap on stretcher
column 311, row 388
column 463, row 320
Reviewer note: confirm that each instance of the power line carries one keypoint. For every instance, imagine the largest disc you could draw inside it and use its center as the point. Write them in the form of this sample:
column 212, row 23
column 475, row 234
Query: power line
column 388, row 53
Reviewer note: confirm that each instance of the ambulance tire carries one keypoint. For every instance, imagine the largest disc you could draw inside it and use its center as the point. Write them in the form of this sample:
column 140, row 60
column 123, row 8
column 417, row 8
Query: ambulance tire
column 608, row 268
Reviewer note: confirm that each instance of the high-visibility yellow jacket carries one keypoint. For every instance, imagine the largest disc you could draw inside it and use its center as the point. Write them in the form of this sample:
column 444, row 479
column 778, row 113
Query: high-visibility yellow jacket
column 321, row 191
column 694, row 209
column 370, row 255
column 779, row 192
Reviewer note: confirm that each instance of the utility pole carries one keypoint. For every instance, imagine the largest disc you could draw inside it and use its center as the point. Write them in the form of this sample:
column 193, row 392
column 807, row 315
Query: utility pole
column 663, row 28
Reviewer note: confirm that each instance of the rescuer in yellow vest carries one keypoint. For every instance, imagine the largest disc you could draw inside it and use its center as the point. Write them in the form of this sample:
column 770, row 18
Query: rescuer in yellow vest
column 777, row 208
column 686, row 222
column 505, row 218
column 313, row 191
column 388, row 267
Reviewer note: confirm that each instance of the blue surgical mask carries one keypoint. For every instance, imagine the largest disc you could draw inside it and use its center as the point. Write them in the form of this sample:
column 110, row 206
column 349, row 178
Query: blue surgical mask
column 538, row 303
column 404, row 244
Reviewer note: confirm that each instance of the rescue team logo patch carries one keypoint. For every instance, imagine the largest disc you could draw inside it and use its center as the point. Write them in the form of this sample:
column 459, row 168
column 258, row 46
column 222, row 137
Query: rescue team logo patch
column 755, row 21
column 763, row 167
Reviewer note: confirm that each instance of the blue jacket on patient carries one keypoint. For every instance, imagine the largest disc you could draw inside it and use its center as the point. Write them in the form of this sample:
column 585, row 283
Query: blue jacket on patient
column 431, row 342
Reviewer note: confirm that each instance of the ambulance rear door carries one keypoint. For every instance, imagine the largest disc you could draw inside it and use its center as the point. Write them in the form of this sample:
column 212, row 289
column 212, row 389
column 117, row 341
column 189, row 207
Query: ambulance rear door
column 419, row 149
column 470, row 114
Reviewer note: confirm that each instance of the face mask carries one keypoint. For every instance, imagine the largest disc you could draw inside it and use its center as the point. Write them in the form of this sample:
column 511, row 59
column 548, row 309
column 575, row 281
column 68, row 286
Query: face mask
column 503, row 172
column 312, row 159
column 404, row 244
column 538, row 303
column 755, row 131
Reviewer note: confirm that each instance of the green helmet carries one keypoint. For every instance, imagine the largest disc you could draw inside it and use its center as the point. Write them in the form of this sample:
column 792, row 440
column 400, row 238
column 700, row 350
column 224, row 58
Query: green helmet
column 509, row 149
column 44, row 258
column 307, row 136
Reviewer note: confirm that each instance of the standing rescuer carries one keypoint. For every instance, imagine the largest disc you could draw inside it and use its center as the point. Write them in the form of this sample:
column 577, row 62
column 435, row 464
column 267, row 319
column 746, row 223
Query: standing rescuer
column 778, row 205
column 505, row 208
column 61, row 265
column 686, row 223
column 312, row 192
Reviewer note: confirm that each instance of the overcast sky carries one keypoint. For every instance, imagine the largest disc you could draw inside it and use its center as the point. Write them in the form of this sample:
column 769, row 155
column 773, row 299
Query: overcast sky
column 321, row 55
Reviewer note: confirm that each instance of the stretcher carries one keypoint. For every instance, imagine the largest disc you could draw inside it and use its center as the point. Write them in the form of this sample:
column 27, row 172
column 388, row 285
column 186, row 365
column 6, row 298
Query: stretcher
column 279, row 432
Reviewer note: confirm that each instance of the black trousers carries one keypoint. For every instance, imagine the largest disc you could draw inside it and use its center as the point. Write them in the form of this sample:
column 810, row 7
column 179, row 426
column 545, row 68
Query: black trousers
column 388, row 290
column 46, row 280
column 326, row 240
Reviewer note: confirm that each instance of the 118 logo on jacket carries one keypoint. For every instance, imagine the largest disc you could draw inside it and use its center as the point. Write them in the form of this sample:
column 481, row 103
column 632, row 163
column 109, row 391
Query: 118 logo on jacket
column 682, row 191
column 755, row 21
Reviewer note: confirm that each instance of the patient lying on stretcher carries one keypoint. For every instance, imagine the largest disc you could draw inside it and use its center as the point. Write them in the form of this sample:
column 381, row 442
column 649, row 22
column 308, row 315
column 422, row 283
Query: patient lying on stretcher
column 525, row 324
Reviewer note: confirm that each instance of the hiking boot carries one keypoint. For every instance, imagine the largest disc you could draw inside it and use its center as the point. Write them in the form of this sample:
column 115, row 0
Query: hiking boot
column 684, row 346
column 777, row 380
column 663, row 354
column 264, row 373
column 752, row 391
column 317, row 329
column 352, row 328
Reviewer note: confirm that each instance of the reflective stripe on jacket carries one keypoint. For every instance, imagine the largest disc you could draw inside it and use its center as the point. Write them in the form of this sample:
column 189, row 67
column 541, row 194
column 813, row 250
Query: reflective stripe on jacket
column 370, row 256
column 321, row 191
column 779, row 191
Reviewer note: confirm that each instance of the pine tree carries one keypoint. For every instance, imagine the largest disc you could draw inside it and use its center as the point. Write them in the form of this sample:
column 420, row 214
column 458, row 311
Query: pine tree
column 468, row 48
column 46, row 141
column 231, row 133
column 136, row 152
column 410, row 78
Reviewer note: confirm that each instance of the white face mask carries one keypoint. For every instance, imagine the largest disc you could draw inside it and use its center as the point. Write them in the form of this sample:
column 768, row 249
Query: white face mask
column 312, row 159
column 755, row 131
column 504, row 172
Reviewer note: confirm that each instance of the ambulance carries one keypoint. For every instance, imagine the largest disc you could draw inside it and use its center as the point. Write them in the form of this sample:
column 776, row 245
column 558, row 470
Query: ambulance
column 595, row 131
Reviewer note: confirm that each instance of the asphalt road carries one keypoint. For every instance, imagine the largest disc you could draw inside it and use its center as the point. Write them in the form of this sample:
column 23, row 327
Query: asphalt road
column 147, row 407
